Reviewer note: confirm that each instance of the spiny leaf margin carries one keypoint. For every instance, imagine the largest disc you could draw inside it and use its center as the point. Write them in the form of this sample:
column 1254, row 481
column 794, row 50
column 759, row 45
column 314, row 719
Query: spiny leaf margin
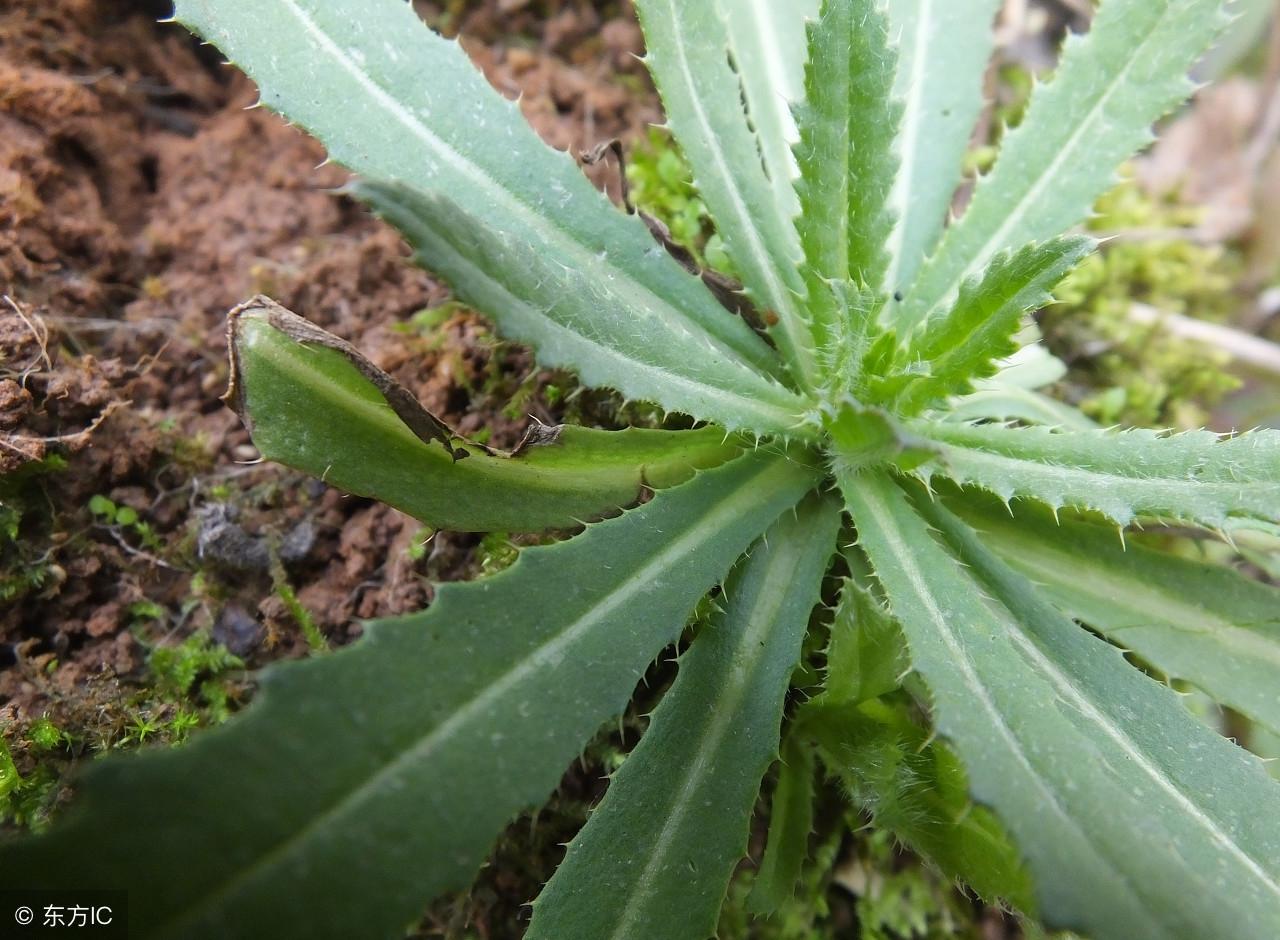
column 456, row 718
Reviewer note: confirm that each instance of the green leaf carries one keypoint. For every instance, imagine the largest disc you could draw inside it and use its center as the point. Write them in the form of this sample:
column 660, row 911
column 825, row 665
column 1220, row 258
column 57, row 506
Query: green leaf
column 980, row 329
column 790, row 824
column 688, row 55
column 654, row 860
column 1204, row 623
column 393, row 101
column 1110, row 87
column 309, row 407
column 1010, row 393
column 1135, row 820
column 866, row 657
column 943, row 48
column 915, row 788
column 767, row 45
column 1031, row 366
column 577, row 321
column 847, row 165
column 846, row 358
column 100, row 505
column 1196, row 477
column 1010, row 403
column 362, row 783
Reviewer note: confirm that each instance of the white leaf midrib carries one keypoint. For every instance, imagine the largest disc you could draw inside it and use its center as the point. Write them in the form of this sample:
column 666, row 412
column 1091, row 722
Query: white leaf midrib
column 1096, row 487
column 552, row 650
column 1070, row 692
column 752, row 649
column 774, row 98
column 908, row 142
column 1047, row 176
column 780, row 297
column 774, row 418
column 639, row 294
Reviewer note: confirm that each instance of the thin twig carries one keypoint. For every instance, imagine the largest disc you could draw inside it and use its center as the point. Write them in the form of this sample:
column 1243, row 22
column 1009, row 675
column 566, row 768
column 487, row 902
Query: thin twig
column 114, row 532
column 1243, row 347
column 41, row 337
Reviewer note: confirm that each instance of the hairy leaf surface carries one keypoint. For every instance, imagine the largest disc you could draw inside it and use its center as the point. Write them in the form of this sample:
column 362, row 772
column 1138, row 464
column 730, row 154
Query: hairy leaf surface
column 767, row 44
column 688, row 55
column 969, row 340
column 943, row 47
column 1196, row 477
column 394, row 101
column 1136, row 820
column 845, row 155
column 866, row 657
column 310, row 408
column 1204, row 623
column 655, row 858
column 1110, row 87
column 363, row 783
column 914, row 787
column 576, row 321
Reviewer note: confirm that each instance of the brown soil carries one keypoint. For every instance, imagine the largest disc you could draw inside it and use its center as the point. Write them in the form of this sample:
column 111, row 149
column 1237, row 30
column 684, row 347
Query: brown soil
column 139, row 200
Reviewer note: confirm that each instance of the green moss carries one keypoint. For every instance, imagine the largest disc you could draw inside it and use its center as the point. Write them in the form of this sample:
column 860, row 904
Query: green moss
column 26, row 800
column 176, row 668
column 419, row 546
column 190, row 685
column 301, row 616
column 127, row 518
column 1129, row 372
column 46, row 736
column 895, row 903
column 662, row 185
column 496, row 553
column 26, row 521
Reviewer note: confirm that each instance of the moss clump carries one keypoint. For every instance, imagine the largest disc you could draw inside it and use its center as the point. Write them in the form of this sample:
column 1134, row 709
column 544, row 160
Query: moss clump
column 192, row 677
column 1132, row 372
column 662, row 185
column 26, row 518
column 27, row 797
column 191, row 684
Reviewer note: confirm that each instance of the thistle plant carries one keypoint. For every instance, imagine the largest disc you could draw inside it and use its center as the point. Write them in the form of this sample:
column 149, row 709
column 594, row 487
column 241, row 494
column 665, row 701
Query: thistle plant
column 871, row 468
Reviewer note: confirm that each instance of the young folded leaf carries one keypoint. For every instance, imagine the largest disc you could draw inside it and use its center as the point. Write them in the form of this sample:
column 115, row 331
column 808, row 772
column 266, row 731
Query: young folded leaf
column 660, row 849
column 1117, row 796
column 914, row 787
column 790, row 825
column 310, row 406
column 966, row 343
column 1204, row 623
column 866, row 657
column 847, row 125
column 688, row 55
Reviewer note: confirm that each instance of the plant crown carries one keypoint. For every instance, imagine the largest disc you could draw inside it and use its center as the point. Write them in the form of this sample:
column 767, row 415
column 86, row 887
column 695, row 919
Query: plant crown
column 870, row 466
